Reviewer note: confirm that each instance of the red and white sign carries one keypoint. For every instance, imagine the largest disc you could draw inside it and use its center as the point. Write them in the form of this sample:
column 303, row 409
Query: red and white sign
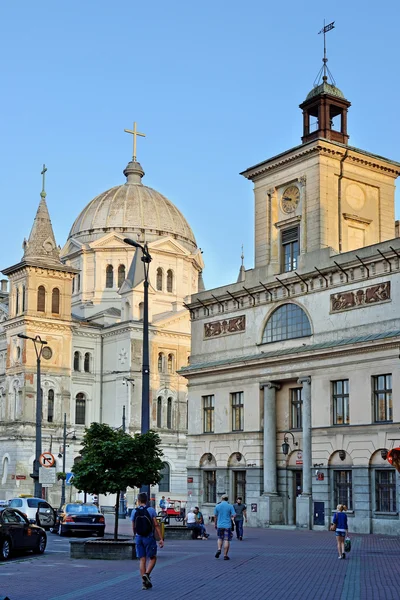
column 47, row 459
column 299, row 458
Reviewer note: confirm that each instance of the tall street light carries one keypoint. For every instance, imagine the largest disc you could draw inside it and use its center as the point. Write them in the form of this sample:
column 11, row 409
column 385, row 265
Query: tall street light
column 65, row 435
column 145, row 426
column 38, row 343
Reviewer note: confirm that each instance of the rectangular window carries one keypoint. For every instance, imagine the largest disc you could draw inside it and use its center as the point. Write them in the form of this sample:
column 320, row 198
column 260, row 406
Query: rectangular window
column 340, row 397
column 382, row 391
column 239, row 485
column 210, row 487
column 385, row 486
column 342, row 488
column 290, row 249
column 208, row 414
column 237, row 411
column 296, row 406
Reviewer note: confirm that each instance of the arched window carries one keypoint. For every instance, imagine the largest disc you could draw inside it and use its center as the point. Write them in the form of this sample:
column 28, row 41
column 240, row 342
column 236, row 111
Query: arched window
column 159, row 411
column 77, row 361
column 41, row 299
column 121, row 275
column 164, row 483
column 80, row 409
column 141, row 311
column 17, row 301
column 78, row 287
column 55, row 301
column 159, row 279
column 170, row 363
column 86, row 362
column 169, row 413
column 23, row 298
column 287, row 322
column 160, row 362
column 50, row 406
column 109, row 276
column 170, row 280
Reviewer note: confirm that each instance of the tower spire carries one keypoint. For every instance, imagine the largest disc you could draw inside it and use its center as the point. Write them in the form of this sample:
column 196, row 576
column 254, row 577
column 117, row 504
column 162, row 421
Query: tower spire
column 324, row 70
column 242, row 270
column 43, row 174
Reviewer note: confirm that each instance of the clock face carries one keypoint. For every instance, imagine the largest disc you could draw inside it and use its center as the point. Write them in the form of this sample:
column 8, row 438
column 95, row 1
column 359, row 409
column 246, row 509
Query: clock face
column 290, row 199
column 47, row 353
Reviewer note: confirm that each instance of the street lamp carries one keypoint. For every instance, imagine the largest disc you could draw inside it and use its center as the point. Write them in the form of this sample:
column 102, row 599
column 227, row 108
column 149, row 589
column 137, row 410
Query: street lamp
column 145, row 426
column 38, row 343
column 65, row 435
column 285, row 445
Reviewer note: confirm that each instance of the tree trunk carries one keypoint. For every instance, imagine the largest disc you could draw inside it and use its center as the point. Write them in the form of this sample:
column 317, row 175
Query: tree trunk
column 116, row 517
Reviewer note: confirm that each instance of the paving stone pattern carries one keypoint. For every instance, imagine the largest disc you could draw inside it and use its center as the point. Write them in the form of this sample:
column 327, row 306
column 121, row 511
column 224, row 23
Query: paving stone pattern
column 267, row 564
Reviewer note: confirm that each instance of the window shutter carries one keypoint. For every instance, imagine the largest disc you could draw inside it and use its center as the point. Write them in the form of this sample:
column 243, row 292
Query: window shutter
column 290, row 235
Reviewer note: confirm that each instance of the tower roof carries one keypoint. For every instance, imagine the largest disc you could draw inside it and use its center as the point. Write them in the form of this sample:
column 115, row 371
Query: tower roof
column 41, row 246
column 325, row 88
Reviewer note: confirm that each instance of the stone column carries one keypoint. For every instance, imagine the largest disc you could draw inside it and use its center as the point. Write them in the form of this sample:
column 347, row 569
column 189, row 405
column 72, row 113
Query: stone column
column 303, row 515
column 270, row 472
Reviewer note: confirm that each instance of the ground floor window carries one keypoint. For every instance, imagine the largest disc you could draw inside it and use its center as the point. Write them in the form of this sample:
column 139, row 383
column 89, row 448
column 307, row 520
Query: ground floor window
column 164, row 483
column 343, row 490
column 239, row 483
column 210, row 487
column 385, row 489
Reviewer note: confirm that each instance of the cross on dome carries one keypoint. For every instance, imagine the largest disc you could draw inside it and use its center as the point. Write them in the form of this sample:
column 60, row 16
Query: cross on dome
column 135, row 133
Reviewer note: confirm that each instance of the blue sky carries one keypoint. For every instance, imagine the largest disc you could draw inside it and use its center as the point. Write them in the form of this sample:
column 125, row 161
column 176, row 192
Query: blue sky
column 214, row 85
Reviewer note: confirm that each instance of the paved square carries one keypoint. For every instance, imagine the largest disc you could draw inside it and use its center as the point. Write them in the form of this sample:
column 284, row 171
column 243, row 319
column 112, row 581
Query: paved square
column 268, row 563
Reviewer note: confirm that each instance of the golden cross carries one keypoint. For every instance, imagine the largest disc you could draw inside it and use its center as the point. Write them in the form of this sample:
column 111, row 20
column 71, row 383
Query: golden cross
column 134, row 133
column 43, row 173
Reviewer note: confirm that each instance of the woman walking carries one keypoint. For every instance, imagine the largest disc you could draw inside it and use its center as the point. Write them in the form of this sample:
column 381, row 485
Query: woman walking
column 340, row 520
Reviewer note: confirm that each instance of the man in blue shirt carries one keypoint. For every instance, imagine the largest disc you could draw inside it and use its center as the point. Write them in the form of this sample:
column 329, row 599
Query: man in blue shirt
column 144, row 523
column 224, row 514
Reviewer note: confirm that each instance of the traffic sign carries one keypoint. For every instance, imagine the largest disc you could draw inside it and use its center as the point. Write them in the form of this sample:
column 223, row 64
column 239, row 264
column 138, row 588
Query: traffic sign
column 47, row 475
column 47, row 459
column 69, row 478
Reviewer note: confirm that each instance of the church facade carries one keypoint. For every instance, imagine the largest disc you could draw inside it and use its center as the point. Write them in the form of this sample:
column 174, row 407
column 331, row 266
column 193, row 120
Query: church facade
column 86, row 302
column 294, row 372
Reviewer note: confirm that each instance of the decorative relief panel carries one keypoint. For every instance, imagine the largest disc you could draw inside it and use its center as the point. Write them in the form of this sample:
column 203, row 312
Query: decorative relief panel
column 225, row 327
column 361, row 297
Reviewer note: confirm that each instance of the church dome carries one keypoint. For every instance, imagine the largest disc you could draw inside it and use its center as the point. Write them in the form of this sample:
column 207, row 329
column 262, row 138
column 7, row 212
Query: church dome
column 132, row 208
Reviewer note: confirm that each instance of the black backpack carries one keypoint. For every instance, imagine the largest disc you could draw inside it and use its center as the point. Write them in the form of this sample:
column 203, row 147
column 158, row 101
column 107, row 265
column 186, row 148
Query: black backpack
column 143, row 522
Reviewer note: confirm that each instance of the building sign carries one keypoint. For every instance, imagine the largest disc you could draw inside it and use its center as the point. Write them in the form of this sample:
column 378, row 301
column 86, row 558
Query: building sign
column 254, row 508
column 47, row 475
column 368, row 296
column 225, row 327
column 20, row 477
column 299, row 458
column 190, row 479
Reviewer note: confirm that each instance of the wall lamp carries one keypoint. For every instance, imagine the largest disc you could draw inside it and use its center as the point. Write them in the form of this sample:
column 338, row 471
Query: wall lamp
column 384, row 453
column 285, row 445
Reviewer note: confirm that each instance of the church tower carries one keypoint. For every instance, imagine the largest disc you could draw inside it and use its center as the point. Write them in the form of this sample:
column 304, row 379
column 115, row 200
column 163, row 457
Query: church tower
column 39, row 305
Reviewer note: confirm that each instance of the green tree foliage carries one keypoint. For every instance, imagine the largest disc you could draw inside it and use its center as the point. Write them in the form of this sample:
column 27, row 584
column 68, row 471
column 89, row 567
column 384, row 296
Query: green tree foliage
column 113, row 460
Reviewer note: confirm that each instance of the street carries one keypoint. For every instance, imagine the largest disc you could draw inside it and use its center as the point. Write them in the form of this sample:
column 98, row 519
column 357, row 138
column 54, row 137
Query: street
column 268, row 563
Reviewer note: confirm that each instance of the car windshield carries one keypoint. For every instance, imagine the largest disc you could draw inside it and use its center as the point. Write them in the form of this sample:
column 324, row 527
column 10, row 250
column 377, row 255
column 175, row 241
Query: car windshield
column 16, row 503
column 34, row 502
column 81, row 508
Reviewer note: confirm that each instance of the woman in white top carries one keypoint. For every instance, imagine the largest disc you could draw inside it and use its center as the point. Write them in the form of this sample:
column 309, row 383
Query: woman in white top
column 191, row 522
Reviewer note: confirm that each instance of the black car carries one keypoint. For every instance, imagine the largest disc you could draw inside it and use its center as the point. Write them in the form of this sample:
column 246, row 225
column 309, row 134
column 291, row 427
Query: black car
column 75, row 517
column 16, row 533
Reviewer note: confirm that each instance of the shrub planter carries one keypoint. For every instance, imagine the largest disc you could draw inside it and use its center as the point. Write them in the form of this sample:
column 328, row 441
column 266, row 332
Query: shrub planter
column 103, row 549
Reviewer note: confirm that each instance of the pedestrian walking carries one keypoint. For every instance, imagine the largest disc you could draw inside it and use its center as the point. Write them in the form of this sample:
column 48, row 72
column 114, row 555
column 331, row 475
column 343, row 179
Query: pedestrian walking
column 144, row 524
column 240, row 514
column 224, row 514
column 340, row 521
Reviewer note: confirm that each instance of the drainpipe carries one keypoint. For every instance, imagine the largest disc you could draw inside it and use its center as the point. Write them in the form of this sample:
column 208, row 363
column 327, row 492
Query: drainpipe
column 101, row 378
column 340, row 199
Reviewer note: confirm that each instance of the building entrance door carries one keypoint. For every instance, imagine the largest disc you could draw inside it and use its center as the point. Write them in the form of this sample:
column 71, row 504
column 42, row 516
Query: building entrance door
column 296, row 490
column 239, row 486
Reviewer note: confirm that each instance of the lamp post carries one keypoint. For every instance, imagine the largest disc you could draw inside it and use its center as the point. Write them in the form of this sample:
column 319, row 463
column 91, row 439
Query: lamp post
column 145, row 425
column 65, row 435
column 38, row 343
column 285, row 445
column 122, row 512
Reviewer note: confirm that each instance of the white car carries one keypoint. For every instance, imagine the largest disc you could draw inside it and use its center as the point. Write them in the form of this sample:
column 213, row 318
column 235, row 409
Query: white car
column 29, row 507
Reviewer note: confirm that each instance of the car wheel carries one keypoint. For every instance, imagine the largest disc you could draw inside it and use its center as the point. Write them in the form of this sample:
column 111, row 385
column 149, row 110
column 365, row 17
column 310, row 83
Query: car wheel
column 41, row 545
column 5, row 549
column 61, row 531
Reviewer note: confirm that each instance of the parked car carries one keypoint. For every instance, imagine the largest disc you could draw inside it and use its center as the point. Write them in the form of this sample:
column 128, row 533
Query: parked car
column 16, row 533
column 36, row 511
column 75, row 517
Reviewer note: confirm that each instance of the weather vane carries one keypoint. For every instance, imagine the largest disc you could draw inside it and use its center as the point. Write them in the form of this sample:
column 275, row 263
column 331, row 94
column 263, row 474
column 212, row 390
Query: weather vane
column 324, row 69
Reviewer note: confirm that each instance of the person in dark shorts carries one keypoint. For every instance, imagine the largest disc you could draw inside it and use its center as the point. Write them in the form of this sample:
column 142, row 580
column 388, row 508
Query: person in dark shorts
column 340, row 520
column 224, row 514
column 144, row 524
column 240, row 514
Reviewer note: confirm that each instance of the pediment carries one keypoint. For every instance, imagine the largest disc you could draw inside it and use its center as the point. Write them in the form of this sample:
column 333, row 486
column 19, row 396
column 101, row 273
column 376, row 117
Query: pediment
column 110, row 240
column 169, row 245
column 70, row 247
column 165, row 320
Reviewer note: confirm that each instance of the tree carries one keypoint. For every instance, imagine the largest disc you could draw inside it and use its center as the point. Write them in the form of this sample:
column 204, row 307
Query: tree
column 113, row 460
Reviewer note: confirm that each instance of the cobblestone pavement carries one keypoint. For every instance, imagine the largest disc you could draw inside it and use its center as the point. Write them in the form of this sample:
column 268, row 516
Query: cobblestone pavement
column 268, row 564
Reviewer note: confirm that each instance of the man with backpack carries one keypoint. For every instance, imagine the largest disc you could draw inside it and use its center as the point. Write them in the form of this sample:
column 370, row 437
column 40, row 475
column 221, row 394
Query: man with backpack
column 144, row 523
